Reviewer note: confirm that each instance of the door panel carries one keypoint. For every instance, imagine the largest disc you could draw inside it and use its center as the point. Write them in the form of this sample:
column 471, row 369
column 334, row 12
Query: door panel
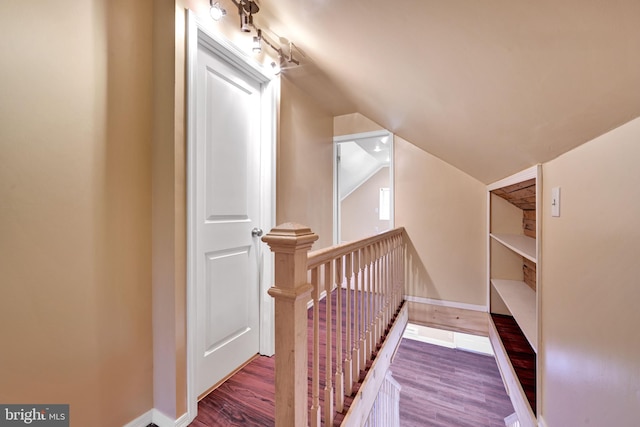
column 226, row 210
column 229, row 317
column 229, row 105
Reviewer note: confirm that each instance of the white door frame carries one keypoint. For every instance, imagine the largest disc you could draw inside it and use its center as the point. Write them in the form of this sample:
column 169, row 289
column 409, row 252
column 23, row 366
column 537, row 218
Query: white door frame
column 336, row 192
column 199, row 35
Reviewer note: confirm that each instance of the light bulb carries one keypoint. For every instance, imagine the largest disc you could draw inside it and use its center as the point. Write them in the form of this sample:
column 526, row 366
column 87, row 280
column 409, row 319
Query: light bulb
column 217, row 12
column 257, row 42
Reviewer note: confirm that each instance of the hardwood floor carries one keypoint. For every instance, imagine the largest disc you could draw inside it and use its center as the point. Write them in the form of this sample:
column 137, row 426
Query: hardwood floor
column 246, row 399
column 440, row 387
column 522, row 356
column 448, row 387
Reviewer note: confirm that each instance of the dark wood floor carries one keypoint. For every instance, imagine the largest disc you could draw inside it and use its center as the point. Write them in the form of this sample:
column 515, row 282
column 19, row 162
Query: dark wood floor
column 245, row 399
column 448, row 387
column 519, row 351
column 440, row 387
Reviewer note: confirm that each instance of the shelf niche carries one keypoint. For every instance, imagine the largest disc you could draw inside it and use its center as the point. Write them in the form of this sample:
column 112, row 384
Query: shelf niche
column 513, row 261
column 513, row 224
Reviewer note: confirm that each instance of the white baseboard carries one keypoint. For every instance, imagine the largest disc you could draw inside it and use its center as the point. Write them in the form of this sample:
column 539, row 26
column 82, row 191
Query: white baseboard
column 158, row 418
column 142, row 421
column 512, row 420
column 162, row 420
column 444, row 303
column 183, row 421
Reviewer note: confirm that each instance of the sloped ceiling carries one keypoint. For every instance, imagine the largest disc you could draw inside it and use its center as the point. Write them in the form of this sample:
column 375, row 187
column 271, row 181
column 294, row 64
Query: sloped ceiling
column 489, row 86
column 360, row 160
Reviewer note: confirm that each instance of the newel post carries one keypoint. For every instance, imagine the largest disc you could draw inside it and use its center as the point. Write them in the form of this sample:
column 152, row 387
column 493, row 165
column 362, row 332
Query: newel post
column 290, row 244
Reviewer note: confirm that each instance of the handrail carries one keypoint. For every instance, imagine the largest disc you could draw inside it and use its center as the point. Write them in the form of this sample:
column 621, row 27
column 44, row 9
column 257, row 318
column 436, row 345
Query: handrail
column 320, row 256
column 357, row 292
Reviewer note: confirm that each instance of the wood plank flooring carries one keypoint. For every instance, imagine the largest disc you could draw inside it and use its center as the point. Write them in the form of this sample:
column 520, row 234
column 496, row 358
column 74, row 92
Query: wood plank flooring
column 444, row 387
column 440, row 387
column 245, row 399
column 519, row 351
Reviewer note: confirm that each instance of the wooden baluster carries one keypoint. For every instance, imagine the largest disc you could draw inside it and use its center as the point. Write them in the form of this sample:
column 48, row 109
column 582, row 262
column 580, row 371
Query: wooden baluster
column 339, row 381
column 315, row 410
column 372, row 313
column 392, row 277
column 401, row 269
column 376, row 298
column 389, row 303
column 381, row 270
column 387, row 292
column 356, row 317
column 394, row 280
column 291, row 291
column 363, row 309
column 394, row 266
column 348, row 361
column 328, row 385
column 381, row 293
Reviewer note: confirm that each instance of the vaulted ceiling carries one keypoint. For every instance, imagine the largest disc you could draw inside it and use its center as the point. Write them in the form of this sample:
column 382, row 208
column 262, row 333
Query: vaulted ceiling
column 489, row 86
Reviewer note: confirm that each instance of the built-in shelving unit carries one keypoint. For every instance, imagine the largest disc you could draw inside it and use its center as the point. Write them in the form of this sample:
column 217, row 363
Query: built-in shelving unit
column 513, row 245
column 520, row 244
column 520, row 299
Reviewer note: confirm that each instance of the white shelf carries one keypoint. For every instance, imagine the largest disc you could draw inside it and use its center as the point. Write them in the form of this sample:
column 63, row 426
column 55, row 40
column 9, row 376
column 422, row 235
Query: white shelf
column 520, row 299
column 523, row 245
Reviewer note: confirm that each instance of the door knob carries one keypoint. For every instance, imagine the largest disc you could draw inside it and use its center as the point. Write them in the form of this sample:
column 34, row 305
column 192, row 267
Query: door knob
column 256, row 232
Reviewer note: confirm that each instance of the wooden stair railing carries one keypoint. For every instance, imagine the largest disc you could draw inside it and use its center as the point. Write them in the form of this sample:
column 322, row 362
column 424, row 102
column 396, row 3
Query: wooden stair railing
column 359, row 287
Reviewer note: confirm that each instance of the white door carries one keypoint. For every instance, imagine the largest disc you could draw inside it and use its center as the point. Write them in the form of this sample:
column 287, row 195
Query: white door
column 227, row 164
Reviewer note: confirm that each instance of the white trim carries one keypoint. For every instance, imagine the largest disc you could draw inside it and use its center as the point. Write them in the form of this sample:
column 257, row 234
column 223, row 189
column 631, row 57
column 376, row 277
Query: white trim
column 392, row 174
column 143, row 420
column 162, row 420
column 336, row 193
column 183, row 421
column 363, row 135
column 443, row 303
column 512, row 420
column 198, row 34
column 541, row 422
column 269, row 132
column 158, row 418
column 524, row 175
column 488, row 253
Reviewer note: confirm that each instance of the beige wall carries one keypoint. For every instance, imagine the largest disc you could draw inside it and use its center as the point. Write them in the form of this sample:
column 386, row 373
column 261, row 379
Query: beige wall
column 590, row 353
column 359, row 210
column 169, row 197
column 348, row 124
column 169, row 210
column 444, row 213
column 75, row 210
column 305, row 164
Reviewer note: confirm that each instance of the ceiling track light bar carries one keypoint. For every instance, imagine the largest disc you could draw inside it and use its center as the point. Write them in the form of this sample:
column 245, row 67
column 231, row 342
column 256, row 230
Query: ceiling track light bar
column 246, row 10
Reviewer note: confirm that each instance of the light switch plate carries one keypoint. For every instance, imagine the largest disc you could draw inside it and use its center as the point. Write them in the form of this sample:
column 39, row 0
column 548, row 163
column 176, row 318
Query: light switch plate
column 555, row 201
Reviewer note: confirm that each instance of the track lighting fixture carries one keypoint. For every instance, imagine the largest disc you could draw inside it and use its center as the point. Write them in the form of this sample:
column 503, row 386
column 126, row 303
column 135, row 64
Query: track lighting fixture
column 246, row 10
column 245, row 22
column 257, row 41
column 216, row 11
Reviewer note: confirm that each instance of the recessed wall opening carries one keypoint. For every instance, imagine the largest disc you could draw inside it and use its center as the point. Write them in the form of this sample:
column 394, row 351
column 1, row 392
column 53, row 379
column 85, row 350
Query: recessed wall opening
column 363, row 185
